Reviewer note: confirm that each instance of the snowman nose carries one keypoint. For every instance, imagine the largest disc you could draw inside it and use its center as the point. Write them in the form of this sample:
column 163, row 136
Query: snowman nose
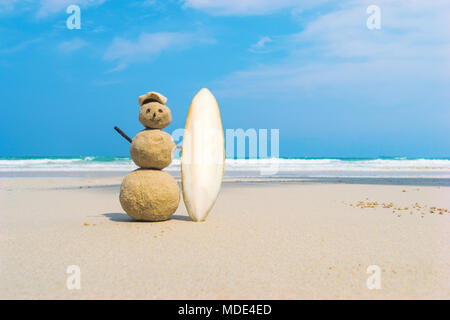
column 154, row 115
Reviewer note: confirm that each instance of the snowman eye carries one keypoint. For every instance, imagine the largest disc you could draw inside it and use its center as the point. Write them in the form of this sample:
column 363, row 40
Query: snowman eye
column 159, row 110
column 148, row 110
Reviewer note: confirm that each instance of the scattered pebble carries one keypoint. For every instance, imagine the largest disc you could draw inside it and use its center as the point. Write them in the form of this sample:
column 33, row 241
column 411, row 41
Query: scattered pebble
column 396, row 209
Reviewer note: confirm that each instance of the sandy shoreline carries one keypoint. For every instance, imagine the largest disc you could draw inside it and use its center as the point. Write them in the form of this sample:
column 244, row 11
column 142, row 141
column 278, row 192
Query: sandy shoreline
column 264, row 240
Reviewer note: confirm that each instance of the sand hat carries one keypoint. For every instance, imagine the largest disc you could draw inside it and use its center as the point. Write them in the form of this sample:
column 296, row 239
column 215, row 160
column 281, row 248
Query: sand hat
column 151, row 97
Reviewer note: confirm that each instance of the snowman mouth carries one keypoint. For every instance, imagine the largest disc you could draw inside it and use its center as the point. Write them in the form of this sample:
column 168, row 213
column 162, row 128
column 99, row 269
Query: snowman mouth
column 155, row 119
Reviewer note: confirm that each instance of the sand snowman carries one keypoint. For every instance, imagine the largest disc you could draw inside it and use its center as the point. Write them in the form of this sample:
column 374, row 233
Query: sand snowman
column 149, row 194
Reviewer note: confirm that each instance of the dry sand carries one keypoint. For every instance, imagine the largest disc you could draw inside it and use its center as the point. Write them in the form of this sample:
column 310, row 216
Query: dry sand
column 261, row 241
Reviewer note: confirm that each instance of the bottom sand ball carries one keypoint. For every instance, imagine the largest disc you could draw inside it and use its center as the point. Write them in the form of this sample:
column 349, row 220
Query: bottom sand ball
column 149, row 195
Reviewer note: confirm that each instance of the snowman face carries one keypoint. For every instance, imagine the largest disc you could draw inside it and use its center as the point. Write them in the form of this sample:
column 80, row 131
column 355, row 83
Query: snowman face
column 155, row 115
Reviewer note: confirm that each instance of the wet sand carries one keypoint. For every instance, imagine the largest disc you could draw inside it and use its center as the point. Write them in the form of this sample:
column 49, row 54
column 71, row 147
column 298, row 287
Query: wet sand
column 297, row 239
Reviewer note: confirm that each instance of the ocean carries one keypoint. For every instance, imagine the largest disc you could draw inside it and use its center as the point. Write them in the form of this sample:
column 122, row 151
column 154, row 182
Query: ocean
column 276, row 167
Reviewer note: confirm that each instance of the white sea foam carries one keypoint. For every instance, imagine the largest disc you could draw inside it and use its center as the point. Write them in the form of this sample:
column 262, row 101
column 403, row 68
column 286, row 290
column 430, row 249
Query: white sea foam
column 342, row 165
column 250, row 167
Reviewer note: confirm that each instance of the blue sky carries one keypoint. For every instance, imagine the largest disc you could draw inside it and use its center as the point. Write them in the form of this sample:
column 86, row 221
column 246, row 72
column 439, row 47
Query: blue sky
column 311, row 69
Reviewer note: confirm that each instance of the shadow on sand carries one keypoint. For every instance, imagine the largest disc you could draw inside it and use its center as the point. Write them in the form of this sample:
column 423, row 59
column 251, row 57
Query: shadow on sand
column 122, row 217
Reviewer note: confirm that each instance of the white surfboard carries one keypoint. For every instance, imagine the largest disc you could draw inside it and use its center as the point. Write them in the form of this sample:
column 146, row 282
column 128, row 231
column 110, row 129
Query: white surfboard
column 202, row 155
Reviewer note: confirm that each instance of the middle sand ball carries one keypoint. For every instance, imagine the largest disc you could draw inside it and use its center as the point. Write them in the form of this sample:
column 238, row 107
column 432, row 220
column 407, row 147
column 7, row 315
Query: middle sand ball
column 152, row 149
column 149, row 195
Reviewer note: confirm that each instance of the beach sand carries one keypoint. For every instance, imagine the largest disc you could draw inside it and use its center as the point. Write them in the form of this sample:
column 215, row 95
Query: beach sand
column 263, row 240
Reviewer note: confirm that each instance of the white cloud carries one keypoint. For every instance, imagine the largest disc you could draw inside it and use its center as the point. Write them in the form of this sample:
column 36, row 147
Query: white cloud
column 261, row 42
column 336, row 53
column 72, row 45
column 7, row 5
column 261, row 45
column 20, row 46
column 240, row 7
column 145, row 3
column 121, row 66
column 44, row 8
column 48, row 7
column 251, row 7
column 148, row 46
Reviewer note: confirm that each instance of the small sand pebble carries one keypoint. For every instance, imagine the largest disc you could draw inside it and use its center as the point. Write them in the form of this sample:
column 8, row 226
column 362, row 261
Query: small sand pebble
column 85, row 224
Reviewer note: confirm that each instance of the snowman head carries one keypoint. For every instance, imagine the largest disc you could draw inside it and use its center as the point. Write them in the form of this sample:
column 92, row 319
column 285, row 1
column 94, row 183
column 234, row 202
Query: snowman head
column 154, row 113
